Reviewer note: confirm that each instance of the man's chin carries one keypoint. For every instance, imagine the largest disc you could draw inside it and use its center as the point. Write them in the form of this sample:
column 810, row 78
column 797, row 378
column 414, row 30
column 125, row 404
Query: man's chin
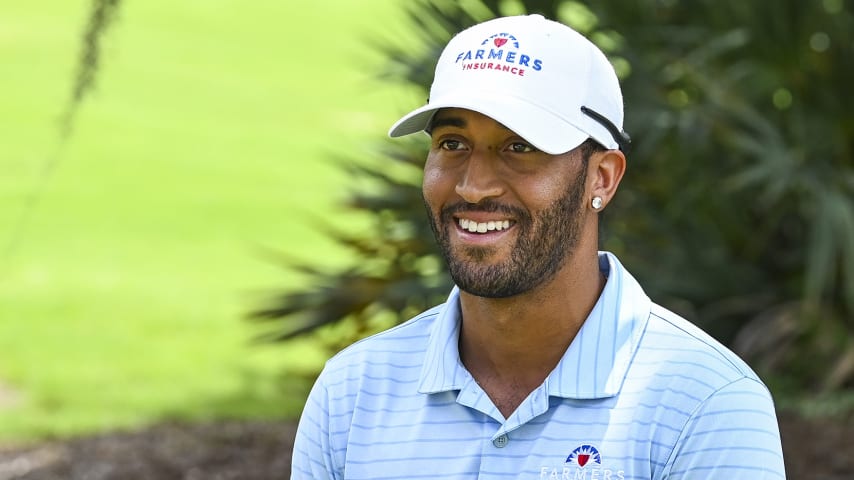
column 477, row 256
column 486, row 291
column 481, row 280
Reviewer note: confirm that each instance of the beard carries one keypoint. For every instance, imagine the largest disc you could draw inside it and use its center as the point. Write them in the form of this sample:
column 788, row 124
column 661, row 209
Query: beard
column 544, row 242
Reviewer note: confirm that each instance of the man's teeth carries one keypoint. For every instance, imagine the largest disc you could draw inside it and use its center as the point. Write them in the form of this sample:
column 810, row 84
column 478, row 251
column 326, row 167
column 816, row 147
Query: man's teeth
column 483, row 227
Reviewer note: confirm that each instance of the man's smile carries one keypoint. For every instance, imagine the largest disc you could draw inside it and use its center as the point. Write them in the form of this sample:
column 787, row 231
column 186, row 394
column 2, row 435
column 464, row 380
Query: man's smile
column 474, row 226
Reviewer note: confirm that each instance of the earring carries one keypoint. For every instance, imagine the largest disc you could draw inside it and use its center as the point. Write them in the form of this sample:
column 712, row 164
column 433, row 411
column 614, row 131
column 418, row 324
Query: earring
column 596, row 203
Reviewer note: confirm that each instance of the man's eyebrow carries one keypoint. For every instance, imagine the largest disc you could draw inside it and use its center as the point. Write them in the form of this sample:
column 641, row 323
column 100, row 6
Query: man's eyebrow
column 446, row 122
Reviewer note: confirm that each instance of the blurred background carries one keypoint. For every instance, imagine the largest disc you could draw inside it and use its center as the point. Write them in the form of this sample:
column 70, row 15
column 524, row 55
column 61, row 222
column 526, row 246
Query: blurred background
column 199, row 206
column 133, row 249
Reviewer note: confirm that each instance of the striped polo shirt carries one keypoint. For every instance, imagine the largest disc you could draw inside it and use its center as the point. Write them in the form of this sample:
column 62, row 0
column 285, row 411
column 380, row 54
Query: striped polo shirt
column 639, row 394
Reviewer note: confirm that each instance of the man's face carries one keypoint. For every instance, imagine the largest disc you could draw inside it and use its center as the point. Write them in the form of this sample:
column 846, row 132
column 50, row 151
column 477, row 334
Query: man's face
column 506, row 215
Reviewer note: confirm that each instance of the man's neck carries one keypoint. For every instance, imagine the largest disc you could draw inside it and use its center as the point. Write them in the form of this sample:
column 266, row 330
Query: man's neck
column 510, row 345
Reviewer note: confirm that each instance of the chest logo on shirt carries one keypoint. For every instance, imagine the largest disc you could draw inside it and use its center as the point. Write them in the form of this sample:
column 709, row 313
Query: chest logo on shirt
column 583, row 455
column 584, row 463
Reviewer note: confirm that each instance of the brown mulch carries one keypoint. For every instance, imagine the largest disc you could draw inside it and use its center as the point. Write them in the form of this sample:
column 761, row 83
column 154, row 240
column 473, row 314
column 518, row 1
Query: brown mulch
column 220, row 451
column 814, row 449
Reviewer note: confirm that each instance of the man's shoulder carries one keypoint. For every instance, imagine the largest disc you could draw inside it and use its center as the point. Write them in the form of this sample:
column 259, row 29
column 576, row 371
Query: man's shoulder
column 708, row 404
column 400, row 347
column 680, row 346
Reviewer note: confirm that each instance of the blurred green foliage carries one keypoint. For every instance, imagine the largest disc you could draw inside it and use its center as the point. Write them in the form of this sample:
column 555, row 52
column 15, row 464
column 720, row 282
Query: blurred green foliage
column 101, row 16
column 199, row 145
column 737, row 210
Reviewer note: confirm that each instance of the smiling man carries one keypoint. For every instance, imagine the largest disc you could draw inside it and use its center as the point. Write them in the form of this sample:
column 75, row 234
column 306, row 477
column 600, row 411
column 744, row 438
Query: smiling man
column 547, row 361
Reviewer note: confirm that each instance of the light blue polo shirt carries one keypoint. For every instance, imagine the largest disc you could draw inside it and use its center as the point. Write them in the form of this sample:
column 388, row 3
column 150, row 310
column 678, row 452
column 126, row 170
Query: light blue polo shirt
column 639, row 394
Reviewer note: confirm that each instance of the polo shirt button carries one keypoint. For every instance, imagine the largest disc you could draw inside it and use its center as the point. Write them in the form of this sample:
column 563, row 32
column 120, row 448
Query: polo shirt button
column 501, row 441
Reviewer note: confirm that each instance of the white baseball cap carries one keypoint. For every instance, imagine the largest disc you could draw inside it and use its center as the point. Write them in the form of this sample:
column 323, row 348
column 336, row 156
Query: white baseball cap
column 539, row 78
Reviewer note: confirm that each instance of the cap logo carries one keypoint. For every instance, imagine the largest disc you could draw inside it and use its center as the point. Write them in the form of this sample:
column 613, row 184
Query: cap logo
column 491, row 55
column 499, row 39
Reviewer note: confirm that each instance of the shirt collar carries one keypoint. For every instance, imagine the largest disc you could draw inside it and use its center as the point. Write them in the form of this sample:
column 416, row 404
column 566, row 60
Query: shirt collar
column 594, row 365
column 597, row 360
column 442, row 369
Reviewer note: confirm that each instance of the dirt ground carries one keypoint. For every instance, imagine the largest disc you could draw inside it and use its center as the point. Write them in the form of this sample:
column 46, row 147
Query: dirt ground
column 814, row 449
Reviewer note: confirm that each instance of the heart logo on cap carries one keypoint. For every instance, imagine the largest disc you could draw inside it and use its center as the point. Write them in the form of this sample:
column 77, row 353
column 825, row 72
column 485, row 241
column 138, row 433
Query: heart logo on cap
column 499, row 42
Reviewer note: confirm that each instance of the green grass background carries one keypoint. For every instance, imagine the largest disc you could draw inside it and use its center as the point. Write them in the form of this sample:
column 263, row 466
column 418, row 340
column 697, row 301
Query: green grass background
column 206, row 140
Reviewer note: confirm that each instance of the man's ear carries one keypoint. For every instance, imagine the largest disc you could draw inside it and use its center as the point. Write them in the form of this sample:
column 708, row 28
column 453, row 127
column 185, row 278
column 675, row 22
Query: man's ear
column 606, row 171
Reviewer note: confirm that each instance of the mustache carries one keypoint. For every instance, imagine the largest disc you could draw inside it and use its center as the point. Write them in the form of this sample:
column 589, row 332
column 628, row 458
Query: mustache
column 485, row 206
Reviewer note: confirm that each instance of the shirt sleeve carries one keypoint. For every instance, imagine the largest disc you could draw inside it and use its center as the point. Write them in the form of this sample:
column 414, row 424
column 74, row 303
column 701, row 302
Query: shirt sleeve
column 732, row 435
column 312, row 453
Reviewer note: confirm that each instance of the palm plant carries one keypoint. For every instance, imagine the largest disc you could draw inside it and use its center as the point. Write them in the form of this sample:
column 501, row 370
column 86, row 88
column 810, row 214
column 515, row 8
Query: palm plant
column 737, row 210
column 101, row 16
column 745, row 157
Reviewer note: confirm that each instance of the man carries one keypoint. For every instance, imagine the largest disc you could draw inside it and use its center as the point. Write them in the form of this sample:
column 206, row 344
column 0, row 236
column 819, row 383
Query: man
column 547, row 361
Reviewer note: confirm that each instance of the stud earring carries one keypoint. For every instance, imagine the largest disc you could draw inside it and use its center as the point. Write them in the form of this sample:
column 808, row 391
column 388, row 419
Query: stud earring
column 596, row 203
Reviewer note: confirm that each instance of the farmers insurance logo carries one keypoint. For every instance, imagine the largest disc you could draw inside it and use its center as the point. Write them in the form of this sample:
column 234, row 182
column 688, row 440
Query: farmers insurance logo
column 584, row 463
column 499, row 53
column 583, row 455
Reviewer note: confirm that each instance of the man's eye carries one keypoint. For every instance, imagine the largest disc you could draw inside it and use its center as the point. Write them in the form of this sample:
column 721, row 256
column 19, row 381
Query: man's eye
column 519, row 147
column 451, row 145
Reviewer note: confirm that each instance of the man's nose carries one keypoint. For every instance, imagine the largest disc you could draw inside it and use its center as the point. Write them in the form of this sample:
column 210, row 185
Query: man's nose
column 480, row 180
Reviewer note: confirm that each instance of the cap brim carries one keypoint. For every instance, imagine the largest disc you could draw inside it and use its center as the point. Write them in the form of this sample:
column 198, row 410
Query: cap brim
column 545, row 130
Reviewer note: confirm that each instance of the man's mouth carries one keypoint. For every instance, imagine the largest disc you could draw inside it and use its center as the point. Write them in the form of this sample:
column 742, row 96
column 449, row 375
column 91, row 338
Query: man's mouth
column 482, row 227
